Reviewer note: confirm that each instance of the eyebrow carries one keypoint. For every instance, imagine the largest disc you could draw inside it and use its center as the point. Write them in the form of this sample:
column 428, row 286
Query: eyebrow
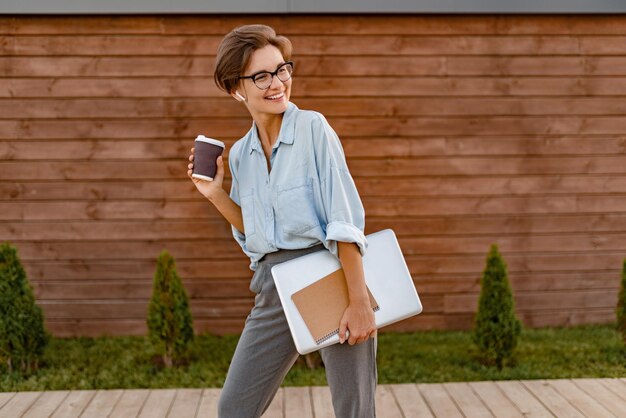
column 267, row 71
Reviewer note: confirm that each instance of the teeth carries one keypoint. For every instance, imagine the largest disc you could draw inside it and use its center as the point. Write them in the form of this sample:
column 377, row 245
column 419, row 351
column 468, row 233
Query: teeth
column 276, row 96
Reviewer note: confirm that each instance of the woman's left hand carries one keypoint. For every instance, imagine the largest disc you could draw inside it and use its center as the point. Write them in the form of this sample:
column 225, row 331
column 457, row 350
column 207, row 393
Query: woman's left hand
column 358, row 318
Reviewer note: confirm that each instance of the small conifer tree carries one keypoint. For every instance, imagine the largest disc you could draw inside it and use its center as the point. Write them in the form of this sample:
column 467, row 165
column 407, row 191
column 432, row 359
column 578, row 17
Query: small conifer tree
column 621, row 305
column 169, row 318
column 496, row 327
column 23, row 336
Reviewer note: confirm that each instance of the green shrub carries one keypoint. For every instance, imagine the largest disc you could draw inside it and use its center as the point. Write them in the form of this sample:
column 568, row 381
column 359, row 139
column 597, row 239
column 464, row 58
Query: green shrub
column 23, row 336
column 621, row 305
column 496, row 327
column 169, row 318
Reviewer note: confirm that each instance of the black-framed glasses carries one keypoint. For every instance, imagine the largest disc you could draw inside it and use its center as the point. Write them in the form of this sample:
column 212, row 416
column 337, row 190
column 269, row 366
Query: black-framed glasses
column 263, row 79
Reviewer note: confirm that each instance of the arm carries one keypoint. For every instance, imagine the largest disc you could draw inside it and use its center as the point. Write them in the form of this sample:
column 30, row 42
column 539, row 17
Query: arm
column 344, row 230
column 359, row 316
column 228, row 208
column 352, row 265
column 214, row 192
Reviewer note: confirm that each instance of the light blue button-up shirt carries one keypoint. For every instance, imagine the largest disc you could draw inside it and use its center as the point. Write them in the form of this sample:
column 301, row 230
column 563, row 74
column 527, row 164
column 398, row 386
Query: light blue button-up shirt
column 308, row 197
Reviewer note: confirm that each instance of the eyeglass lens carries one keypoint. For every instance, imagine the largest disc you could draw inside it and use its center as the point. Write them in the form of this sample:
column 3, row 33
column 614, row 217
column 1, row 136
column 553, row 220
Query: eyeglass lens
column 264, row 80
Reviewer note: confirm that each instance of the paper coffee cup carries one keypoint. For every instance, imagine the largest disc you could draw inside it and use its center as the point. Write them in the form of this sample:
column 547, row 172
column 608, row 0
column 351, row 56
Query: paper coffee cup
column 205, row 157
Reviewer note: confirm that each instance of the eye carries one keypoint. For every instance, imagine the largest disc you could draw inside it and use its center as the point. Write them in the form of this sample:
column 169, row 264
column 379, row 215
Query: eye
column 262, row 77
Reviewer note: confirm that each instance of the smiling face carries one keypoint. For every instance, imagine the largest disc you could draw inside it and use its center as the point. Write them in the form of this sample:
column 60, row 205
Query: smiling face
column 272, row 101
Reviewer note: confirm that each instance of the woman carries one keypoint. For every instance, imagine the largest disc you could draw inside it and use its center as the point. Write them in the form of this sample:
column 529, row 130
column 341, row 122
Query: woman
column 291, row 194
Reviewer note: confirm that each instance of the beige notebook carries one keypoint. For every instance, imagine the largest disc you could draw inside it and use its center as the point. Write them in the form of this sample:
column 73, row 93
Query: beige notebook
column 323, row 303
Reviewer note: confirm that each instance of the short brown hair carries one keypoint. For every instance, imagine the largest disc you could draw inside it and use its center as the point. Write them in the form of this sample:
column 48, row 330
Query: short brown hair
column 235, row 50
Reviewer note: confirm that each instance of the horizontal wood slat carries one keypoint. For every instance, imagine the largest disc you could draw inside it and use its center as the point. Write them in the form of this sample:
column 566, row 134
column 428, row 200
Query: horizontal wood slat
column 108, row 326
column 534, row 302
column 447, row 264
column 339, row 24
column 460, row 132
column 401, row 127
column 156, row 209
column 308, row 87
column 99, row 150
column 137, row 289
column 129, row 309
column 418, row 226
column 380, row 45
column 148, row 108
column 426, row 283
column 387, row 167
column 537, row 301
column 431, row 283
column 189, row 240
column 399, row 66
column 427, row 227
column 520, row 185
column 527, row 225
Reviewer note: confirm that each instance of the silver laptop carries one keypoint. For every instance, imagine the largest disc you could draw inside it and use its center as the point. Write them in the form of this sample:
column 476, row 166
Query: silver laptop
column 386, row 275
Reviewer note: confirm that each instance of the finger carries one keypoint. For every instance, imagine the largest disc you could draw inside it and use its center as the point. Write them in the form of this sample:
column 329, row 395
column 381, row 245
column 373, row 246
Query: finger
column 191, row 157
column 219, row 175
column 190, row 166
column 343, row 327
column 342, row 334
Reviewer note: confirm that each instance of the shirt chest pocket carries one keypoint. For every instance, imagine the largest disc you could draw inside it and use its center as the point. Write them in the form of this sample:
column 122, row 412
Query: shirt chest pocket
column 296, row 209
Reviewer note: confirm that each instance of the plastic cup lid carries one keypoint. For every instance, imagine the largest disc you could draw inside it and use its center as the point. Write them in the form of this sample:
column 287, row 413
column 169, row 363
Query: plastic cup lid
column 203, row 138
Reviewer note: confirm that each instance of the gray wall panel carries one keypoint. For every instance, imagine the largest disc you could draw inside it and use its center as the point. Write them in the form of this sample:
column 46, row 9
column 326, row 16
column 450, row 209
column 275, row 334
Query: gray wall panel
column 308, row 6
column 141, row 6
column 456, row 6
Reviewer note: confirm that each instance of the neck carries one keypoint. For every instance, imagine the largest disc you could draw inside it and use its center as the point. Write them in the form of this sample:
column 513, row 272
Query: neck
column 268, row 128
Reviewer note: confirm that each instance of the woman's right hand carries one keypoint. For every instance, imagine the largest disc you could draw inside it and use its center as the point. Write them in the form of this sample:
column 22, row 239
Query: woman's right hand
column 206, row 187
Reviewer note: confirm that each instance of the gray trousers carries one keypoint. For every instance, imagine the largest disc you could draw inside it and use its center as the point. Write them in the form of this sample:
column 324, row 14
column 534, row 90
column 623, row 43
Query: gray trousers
column 265, row 353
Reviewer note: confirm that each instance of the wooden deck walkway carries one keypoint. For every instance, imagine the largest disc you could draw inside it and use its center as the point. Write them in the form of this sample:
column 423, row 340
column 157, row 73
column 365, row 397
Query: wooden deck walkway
column 518, row 398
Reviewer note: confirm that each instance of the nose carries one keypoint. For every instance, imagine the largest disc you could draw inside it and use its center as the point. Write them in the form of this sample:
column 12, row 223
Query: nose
column 275, row 82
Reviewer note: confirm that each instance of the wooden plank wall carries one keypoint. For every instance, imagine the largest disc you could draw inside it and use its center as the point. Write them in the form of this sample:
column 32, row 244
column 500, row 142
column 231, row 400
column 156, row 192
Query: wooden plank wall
column 460, row 131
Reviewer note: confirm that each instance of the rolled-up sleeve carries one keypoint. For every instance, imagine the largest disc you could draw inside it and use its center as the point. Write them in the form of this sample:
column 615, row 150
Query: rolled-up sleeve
column 340, row 199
